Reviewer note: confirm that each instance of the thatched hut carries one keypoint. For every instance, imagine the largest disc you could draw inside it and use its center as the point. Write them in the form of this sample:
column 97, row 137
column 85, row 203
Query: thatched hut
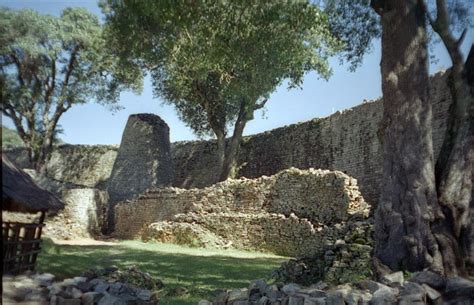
column 22, row 241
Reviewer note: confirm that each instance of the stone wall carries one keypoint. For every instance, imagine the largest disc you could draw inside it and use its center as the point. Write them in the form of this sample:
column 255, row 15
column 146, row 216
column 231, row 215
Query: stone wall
column 295, row 212
column 78, row 165
column 345, row 141
column 143, row 160
column 78, row 175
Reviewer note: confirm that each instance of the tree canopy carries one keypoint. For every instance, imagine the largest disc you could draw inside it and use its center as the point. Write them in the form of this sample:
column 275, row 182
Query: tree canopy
column 218, row 61
column 48, row 64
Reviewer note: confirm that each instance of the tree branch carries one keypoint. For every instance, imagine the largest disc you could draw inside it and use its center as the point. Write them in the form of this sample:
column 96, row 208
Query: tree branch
column 17, row 63
column 260, row 105
column 10, row 112
column 461, row 38
column 49, row 92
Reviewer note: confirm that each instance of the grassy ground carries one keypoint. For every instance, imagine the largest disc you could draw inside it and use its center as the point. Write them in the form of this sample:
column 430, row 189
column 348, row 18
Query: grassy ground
column 201, row 271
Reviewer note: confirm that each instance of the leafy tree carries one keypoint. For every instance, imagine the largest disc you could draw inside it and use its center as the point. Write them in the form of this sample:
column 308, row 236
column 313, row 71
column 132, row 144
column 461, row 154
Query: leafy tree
column 355, row 24
column 47, row 65
column 218, row 61
column 426, row 211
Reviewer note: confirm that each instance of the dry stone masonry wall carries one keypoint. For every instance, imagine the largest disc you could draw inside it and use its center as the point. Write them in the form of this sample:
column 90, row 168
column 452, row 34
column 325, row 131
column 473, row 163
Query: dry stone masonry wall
column 345, row 141
column 295, row 213
column 143, row 160
column 74, row 165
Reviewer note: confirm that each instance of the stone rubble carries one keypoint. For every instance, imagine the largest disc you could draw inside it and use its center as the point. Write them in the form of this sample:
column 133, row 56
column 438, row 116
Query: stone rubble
column 396, row 291
column 103, row 287
column 294, row 213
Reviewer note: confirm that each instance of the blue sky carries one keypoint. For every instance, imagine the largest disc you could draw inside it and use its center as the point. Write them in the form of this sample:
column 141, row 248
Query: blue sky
column 95, row 124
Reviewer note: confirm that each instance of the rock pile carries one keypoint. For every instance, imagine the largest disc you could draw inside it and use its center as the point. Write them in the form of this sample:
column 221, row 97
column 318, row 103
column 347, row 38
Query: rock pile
column 344, row 261
column 103, row 287
column 294, row 213
column 422, row 288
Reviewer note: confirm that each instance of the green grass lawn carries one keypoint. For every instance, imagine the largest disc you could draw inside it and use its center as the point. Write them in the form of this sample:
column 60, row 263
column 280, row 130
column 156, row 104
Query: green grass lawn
column 201, row 271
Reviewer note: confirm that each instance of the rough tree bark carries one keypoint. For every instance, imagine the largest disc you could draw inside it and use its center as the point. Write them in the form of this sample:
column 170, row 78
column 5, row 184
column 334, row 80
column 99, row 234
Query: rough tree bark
column 454, row 167
column 408, row 203
column 425, row 213
column 245, row 114
column 234, row 144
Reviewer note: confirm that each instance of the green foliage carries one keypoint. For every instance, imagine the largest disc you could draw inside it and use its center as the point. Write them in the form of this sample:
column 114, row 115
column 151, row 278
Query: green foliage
column 355, row 23
column 212, row 58
column 48, row 64
column 10, row 138
column 199, row 271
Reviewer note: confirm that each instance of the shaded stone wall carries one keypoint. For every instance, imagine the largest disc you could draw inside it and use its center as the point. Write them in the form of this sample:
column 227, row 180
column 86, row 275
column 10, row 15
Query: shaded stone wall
column 291, row 213
column 143, row 160
column 78, row 175
column 74, row 165
column 345, row 141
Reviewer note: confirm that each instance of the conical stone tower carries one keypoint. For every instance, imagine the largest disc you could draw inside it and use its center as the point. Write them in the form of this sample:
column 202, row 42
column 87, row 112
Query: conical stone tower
column 143, row 161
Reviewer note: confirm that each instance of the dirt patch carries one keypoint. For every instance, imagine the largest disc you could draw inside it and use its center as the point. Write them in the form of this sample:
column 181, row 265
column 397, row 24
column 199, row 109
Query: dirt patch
column 86, row 242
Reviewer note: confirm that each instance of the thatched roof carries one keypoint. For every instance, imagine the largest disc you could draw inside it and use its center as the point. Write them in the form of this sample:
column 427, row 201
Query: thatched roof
column 21, row 194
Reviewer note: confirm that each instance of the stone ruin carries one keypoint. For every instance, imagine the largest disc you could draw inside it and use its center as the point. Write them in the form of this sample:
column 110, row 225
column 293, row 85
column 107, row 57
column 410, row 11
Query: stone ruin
column 294, row 213
column 143, row 160
column 345, row 141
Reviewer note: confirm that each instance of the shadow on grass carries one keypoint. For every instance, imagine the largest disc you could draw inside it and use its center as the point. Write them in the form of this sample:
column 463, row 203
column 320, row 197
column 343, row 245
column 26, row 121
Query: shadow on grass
column 199, row 274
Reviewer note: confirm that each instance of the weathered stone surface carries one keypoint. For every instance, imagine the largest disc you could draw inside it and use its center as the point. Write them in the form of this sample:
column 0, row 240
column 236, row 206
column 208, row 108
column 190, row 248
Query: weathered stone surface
column 412, row 293
column 394, row 279
column 430, row 278
column 238, row 294
column 345, row 141
column 35, row 296
column 28, row 289
column 372, row 286
column 143, row 160
column 101, row 287
column 384, row 296
column 263, row 301
column 257, row 214
column 144, row 295
column 44, row 279
column 109, row 299
column 431, row 293
column 314, row 301
column 259, row 285
column 460, row 288
column 291, row 289
column 89, row 298
column 313, row 292
column 83, row 215
column 335, row 298
column 85, row 286
column 295, row 300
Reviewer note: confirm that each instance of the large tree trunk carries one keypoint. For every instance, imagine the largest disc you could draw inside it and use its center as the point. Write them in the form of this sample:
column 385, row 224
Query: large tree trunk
column 234, row 145
column 454, row 168
column 408, row 203
column 220, row 135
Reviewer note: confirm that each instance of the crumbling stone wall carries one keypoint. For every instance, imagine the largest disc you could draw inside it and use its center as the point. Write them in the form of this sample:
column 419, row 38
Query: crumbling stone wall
column 77, row 174
column 143, row 160
column 295, row 212
column 79, row 165
column 345, row 141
